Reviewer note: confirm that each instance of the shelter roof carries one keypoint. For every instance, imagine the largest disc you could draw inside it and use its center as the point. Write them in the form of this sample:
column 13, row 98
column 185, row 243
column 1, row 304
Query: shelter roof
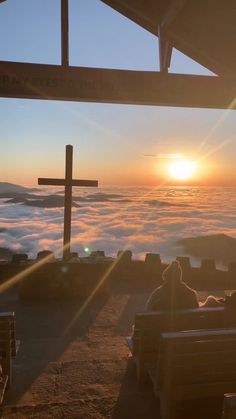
column 204, row 30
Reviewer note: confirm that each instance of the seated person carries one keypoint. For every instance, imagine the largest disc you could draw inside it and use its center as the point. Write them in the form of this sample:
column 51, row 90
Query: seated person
column 212, row 301
column 173, row 294
column 230, row 300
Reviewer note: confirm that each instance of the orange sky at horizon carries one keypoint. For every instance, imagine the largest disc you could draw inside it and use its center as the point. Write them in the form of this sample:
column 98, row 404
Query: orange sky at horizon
column 145, row 172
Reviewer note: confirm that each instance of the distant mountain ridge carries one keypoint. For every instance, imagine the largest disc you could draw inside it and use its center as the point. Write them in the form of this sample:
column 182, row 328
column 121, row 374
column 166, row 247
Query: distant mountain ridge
column 6, row 187
column 6, row 253
column 216, row 246
column 50, row 201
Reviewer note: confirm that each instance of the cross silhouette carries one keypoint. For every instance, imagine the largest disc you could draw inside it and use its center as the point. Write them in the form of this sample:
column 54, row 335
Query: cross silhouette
column 68, row 182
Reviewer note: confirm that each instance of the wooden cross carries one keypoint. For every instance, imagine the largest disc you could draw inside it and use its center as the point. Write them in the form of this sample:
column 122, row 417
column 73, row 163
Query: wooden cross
column 68, row 182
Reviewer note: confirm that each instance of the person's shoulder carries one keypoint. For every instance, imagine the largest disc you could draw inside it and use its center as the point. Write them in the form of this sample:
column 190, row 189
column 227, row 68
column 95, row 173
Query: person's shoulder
column 154, row 297
column 188, row 288
column 157, row 290
column 191, row 295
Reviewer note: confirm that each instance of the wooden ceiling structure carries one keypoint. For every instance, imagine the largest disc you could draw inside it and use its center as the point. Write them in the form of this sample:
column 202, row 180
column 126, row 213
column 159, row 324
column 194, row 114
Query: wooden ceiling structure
column 204, row 30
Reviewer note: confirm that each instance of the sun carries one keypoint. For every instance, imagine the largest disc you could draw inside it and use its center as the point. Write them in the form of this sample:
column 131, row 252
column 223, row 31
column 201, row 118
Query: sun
column 182, row 169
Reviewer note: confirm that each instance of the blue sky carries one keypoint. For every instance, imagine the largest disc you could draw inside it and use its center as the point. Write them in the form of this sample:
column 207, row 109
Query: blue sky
column 110, row 141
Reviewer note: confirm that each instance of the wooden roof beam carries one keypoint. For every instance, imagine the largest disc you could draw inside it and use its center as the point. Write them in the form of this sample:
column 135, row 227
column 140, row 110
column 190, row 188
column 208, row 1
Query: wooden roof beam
column 40, row 81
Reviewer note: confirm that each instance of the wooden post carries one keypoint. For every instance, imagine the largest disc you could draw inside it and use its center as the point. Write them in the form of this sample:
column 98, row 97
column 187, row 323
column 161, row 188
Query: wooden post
column 64, row 33
column 68, row 201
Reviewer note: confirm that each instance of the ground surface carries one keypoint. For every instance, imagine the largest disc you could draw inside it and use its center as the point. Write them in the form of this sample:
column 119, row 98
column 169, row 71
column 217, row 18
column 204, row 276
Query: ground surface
column 74, row 364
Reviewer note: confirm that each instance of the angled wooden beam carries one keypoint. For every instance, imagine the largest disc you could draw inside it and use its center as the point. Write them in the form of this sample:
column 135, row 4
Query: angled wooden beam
column 142, row 12
column 165, row 50
column 39, row 81
column 165, row 41
column 172, row 11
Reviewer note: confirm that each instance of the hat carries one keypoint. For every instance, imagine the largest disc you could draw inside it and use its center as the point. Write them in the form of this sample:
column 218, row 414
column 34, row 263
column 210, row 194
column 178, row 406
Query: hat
column 173, row 272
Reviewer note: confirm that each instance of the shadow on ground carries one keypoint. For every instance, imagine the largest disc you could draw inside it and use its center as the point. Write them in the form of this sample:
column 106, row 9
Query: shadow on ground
column 138, row 402
column 45, row 331
column 134, row 401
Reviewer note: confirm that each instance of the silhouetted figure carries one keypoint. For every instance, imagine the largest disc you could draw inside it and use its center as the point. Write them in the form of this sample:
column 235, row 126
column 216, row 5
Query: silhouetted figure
column 173, row 294
column 230, row 300
column 212, row 301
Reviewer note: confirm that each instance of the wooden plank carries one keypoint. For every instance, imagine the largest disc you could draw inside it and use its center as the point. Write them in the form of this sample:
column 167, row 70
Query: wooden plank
column 151, row 370
column 190, row 374
column 72, row 182
column 229, row 406
column 7, row 314
column 53, row 82
column 64, row 33
column 149, row 325
column 210, row 334
column 145, row 13
column 11, row 333
column 3, row 384
column 203, row 357
column 151, row 319
column 206, row 346
column 203, row 390
column 4, row 353
column 16, row 348
column 179, row 375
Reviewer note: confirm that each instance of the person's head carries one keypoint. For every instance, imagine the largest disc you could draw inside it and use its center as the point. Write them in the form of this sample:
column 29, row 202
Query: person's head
column 173, row 273
column 230, row 300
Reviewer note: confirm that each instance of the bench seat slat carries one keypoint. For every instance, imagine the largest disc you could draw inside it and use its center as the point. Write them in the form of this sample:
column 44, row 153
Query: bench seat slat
column 221, row 346
column 207, row 359
column 210, row 334
column 203, row 390
column 201, row 375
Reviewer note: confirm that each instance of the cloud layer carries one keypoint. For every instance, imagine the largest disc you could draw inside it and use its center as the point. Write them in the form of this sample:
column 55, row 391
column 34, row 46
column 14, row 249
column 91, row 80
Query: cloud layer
column 141, row 219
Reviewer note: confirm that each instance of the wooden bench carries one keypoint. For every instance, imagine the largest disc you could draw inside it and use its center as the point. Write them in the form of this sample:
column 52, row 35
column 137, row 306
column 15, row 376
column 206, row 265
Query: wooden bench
column 193, row 365
column 148, row 326
column 8, row 344
column 3, row 384
column 229, row 406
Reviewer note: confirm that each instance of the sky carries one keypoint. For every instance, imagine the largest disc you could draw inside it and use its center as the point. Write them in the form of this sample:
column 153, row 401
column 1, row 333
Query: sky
column 116, row 144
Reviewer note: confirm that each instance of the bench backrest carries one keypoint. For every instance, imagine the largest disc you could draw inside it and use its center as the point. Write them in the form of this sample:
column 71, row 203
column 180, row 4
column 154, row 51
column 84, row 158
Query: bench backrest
column 229, row 406
column 198, row 361
column 7, row 334
column 149, row 325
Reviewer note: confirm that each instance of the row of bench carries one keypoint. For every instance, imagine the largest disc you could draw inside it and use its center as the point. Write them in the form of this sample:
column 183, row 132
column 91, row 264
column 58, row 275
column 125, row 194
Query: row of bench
column 188, row 354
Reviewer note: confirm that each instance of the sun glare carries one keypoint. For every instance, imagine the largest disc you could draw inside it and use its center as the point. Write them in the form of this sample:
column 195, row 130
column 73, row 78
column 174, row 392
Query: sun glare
column 182, row 169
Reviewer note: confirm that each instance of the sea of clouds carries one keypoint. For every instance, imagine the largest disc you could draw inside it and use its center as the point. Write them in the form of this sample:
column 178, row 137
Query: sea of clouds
column 140, row 219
